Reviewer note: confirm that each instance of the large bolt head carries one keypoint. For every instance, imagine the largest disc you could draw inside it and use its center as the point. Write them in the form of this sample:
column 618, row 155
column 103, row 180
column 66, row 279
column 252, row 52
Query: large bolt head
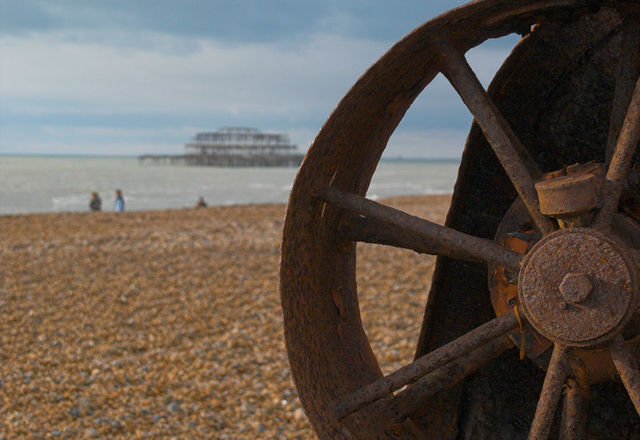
column 575, row 288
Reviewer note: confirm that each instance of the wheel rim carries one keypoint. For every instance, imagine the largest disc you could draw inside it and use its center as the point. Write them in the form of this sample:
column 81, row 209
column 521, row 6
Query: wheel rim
column 331, row 359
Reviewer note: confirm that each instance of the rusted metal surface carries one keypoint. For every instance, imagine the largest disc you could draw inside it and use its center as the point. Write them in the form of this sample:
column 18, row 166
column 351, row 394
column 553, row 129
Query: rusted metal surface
column 404, row 403
column 567, row 195
column 449, row 242
column 551, row 392
column 357, row 228
column 571, row 195
column 627, row 366
column 513, row 156
column 620, row 162
column 574, row 411
column 543, row 111
column 553, row 104
column 628, row 72
column 596, row 364
column 575, row 288
column 426, row 364
column 578, row 287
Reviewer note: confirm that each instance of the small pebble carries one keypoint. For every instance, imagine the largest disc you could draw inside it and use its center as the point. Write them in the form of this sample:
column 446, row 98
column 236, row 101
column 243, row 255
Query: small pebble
column 126, row 326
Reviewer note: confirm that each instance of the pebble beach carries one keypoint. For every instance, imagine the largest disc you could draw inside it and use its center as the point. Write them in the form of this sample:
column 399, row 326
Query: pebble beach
column 167, row 324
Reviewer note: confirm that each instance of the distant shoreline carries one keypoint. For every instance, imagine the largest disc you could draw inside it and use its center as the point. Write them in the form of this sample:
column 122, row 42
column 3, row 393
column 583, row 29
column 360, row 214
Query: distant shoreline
column 136, row 156
column 210, row 207
column 69, row 156
column 37, row 184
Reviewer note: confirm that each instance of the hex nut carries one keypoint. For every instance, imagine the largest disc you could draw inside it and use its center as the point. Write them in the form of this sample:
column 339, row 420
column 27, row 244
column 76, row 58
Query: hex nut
column 575, row 288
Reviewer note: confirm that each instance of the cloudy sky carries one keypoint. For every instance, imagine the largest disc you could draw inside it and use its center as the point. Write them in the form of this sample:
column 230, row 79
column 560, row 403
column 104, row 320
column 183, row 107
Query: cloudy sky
column 124, row 77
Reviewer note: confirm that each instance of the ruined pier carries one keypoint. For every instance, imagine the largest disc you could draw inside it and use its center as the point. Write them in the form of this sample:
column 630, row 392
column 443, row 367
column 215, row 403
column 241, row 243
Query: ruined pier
column 232, row 147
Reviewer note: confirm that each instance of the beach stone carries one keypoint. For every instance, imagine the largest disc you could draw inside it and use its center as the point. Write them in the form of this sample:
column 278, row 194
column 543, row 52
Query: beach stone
column 126, row 326
column 299, row 415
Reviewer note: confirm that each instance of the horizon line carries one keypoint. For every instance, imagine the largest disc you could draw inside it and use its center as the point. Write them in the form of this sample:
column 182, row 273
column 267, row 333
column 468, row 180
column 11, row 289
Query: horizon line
column 136, row 156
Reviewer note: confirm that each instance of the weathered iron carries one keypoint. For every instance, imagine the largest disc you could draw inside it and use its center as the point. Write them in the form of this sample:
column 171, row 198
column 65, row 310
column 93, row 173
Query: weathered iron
column 546, row 198
column 578, row 287
column 421, row 367
column 448, row 241
column 575, row 288
column 567, row 196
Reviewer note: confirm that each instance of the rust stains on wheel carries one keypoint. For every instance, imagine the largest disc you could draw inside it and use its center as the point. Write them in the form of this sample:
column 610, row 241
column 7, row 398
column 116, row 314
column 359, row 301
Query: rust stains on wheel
column 566, row 297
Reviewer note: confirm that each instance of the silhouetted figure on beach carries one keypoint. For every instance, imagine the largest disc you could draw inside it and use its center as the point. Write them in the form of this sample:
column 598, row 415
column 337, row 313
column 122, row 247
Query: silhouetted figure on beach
column 119, row 203
column 95, row 204
column 201, row 203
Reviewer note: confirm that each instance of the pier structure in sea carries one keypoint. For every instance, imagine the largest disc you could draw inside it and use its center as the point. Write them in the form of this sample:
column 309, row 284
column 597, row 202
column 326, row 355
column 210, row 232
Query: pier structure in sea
column 233, row 147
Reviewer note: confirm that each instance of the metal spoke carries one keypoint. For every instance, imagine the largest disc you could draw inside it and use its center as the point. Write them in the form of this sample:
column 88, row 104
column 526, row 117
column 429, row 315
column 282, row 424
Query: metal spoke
column 627, row 368
column 407, row 401
column 574, row 411
column 513, row 156
column 628, row 73
column 369, row 230
column 550, row 395
column 426, row 364
column 447, row 241
column 620, row 163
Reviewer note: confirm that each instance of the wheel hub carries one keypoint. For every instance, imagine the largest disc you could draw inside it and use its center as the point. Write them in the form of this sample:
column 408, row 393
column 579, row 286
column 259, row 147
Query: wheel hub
column 578, row 287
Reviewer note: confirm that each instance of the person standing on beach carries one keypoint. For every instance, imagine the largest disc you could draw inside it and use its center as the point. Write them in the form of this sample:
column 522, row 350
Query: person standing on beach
column 95, row 204
column 119, row 204
column 201, row 203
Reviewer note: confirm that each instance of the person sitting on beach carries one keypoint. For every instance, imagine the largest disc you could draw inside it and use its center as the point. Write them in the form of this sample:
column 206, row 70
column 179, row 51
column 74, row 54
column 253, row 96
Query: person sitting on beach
column 201, row 203
column 95, row 204
column 119, row 203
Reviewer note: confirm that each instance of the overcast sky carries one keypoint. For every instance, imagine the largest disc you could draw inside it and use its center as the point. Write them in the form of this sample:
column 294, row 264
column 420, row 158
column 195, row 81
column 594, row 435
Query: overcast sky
column 123, row 77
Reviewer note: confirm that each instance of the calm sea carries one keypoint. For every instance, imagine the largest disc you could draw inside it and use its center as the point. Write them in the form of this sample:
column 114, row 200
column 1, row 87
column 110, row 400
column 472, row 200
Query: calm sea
column 57, row 184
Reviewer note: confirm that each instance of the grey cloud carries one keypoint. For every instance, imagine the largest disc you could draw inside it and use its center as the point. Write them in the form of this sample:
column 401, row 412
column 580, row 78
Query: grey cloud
column 147, row 73
column 228, row 20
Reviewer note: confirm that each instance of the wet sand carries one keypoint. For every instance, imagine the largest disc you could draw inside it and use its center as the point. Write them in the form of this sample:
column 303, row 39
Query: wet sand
column 167, row 324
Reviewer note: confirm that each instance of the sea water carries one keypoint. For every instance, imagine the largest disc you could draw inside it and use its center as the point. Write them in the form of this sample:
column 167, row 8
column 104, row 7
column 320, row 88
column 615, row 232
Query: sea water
column 62, row 184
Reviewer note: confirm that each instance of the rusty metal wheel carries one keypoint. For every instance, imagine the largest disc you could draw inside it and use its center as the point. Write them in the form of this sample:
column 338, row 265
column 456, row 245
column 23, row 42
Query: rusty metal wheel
column 539, row 250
